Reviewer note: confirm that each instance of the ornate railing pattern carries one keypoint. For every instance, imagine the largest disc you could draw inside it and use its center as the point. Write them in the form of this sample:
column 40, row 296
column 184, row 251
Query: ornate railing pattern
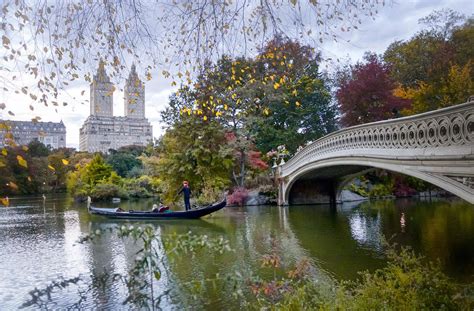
column 424, row 136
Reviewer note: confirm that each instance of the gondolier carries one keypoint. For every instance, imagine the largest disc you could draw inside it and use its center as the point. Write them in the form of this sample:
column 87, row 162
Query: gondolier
column 186, row 194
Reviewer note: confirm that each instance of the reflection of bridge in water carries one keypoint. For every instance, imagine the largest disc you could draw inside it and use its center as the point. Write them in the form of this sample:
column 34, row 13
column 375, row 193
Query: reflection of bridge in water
column 437, row 147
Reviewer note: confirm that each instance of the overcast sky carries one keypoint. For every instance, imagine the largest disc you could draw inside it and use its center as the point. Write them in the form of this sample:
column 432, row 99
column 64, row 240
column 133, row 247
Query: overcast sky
column 394, row 22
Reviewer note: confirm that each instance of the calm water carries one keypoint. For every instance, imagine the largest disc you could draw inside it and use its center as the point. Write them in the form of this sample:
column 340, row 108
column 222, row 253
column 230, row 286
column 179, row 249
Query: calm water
column 38, row 245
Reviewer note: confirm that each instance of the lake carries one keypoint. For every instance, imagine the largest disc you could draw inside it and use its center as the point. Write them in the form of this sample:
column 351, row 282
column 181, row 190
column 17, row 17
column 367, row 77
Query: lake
column 38, row 245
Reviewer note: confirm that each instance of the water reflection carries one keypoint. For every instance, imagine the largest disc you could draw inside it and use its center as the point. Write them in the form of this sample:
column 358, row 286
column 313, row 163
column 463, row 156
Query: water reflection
column 38, row 245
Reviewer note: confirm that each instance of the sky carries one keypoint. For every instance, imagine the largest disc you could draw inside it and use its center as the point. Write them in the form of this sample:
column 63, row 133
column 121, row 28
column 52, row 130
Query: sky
column 395, row 21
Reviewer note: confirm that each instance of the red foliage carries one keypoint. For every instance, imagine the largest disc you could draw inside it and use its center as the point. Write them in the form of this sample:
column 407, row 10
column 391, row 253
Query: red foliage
column 367, row 95
column 230, row 136
column 255, row 160
column 238, row 196
column 402, row 189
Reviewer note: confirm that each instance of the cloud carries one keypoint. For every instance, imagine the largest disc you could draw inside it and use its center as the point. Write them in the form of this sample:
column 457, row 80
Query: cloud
column 394, row 22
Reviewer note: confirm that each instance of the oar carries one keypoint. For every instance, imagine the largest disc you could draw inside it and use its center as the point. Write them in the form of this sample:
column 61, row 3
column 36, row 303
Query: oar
column 174, row 199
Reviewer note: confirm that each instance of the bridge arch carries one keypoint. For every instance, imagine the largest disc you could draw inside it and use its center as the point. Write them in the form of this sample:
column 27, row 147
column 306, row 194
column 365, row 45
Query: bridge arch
column 437, row 147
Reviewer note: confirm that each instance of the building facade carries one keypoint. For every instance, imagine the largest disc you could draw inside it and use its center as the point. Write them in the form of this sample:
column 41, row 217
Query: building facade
column 51, row 134
column 102, row 130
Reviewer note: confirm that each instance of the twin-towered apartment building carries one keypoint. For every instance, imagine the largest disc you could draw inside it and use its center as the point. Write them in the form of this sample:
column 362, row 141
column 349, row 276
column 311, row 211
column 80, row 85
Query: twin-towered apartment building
column 102, row 130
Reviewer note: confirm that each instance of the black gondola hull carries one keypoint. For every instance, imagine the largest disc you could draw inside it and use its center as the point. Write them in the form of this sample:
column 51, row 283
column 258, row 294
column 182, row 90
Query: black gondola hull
column 192, row 214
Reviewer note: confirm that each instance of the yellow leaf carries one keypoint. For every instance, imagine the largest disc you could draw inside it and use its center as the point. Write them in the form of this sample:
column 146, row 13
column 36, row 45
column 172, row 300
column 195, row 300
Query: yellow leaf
column 25, row 148
column 5, row 201
column 21, row 161
column 295, row 92
column 51, row 168
column 4, row 152
column 266, row 111
column 297, row 104
column 205, row 118
column 276, row 85
column 65, row 162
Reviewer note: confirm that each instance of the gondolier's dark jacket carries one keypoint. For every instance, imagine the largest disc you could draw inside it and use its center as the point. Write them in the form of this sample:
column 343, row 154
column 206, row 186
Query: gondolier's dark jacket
column 186, row 191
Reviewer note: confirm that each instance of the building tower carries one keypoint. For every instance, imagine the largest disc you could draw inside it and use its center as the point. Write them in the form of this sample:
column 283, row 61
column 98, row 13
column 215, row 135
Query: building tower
column 134, row 106
column 102, row 91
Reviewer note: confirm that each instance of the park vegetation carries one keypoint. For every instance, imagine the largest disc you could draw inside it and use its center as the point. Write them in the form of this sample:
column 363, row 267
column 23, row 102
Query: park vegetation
column 241, row 115
column 406, row 283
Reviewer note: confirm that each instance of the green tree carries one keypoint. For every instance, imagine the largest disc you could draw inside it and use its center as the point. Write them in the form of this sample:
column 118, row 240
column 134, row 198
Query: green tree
column 59, row 164
column 38, row 149
column 294, row 125
column 261, row 102
column 124, row 162
column 83, row 181
column 196, row 151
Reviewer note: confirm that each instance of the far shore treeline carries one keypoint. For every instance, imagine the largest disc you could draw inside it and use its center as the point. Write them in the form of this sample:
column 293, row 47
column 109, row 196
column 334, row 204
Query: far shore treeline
column 242, row 115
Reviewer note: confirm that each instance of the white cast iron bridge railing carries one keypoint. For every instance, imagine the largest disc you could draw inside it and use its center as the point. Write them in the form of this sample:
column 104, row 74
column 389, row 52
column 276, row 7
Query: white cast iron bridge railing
column 436, row 146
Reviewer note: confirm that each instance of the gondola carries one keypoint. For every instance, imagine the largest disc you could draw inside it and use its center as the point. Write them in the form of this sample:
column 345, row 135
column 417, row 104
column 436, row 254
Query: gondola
column 191, row 214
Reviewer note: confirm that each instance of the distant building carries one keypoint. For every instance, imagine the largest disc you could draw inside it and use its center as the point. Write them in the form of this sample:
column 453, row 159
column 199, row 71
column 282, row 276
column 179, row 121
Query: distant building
column 51, row 134
column 102, row 130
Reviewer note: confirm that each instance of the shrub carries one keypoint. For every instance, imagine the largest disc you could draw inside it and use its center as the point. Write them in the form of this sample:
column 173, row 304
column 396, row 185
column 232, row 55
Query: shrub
column 209, row 196
column 407, row 283
column 106, row 191
column 381, row 190
column 238, row 196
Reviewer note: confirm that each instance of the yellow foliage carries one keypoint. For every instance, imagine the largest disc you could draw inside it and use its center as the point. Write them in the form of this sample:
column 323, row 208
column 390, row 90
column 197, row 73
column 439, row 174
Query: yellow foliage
column 21, row 161
column 459, row 85
column 65, row 162
column 454, row 89
column 5, row 201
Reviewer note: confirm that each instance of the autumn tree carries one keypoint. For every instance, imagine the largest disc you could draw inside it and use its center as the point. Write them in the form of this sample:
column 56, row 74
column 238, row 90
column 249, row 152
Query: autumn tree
column 56, row 43
column 191, row 149
column 434, row 68
column 365, row 94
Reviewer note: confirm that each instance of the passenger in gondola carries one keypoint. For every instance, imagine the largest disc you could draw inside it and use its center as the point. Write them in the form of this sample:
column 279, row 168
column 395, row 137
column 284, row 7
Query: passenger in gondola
column 186, row 194
column 160, row 209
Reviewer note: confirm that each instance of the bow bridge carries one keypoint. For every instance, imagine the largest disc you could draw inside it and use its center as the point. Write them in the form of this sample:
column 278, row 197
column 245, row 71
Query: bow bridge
column 437, row 147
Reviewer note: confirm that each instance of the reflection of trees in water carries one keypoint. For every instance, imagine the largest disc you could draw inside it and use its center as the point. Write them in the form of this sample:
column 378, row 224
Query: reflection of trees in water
column 253, row 233
column 343, row 240
column 439, row 229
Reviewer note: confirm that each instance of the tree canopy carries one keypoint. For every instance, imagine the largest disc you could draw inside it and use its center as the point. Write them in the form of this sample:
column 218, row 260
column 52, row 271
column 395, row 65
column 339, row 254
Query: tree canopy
column 49, row 45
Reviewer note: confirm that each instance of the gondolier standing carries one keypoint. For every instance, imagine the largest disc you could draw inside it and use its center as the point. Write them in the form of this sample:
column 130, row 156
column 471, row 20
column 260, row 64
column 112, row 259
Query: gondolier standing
column 186, row 193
